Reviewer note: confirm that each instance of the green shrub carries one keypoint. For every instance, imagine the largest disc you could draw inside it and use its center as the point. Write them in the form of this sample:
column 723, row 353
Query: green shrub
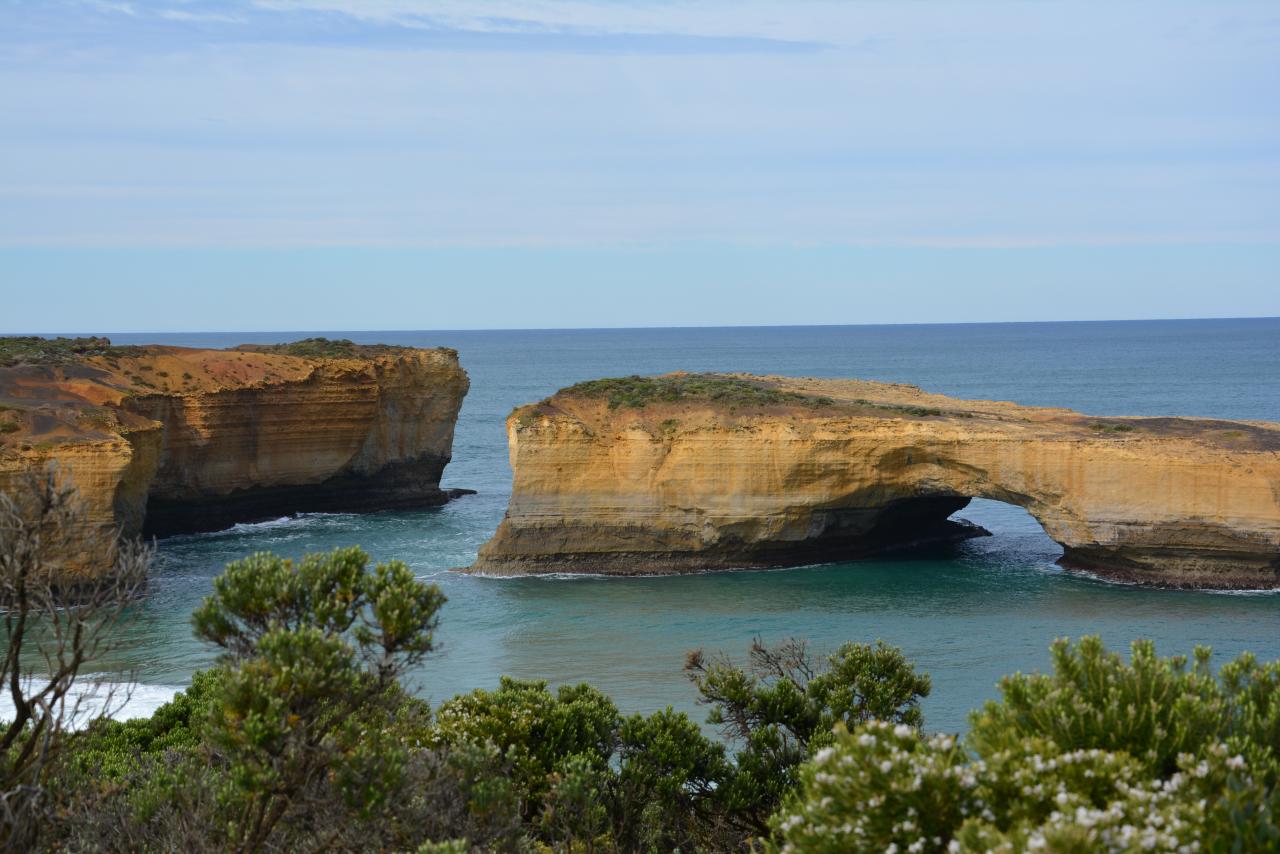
column 636, row 392
column 1152, row 708
column 669, row 784
column 312, row 654
column 324, row 348
column 917, row 411
column 34, row 350
column 1099, row 755
column 110, row 749
column 535, row 730
column 1111, row 427
column 783, row 706
column 587, row 776
column 98, row 417
column 877, row 786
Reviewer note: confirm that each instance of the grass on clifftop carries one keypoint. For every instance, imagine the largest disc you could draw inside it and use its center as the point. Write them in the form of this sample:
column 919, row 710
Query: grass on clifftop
column 34, row 350
column 636, row 392
column 1101, row 427
column 324, row 348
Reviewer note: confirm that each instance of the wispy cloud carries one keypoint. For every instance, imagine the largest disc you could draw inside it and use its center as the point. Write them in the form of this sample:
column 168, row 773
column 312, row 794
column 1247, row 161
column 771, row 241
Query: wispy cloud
column 798, row 20
column 537, row 123
column 200, row 17
column 98, row 24
column 113, row 8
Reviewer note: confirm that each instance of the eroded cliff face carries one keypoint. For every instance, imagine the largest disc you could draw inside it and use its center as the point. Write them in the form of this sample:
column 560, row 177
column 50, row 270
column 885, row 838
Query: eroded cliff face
column 161, row 440
column 841, row 469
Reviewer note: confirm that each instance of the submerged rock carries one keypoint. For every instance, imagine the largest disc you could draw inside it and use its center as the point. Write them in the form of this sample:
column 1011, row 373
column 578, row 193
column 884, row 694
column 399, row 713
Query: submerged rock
column 693, row 472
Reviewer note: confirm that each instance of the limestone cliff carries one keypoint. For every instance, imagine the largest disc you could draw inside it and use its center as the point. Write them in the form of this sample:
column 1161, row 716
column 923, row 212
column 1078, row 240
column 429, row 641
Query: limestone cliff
column 169, row 439
column 692, row 472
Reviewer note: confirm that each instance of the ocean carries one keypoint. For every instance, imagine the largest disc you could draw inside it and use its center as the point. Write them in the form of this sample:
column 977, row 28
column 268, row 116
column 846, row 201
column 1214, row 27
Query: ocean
column 965, row 615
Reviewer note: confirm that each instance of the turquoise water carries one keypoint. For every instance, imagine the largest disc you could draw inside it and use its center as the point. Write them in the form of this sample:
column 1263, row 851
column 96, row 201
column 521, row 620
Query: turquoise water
column 965, row 615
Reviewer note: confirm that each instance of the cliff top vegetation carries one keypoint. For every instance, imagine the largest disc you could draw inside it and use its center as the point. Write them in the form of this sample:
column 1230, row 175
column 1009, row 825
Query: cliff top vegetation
column 636, row 392
column 325, row 348
column 34, row 350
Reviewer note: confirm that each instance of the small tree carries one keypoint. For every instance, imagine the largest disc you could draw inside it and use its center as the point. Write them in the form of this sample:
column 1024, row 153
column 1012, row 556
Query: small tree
column 314, row 651
column 669, row 775
column 588, row 779
column 55, row 625
column 784, row 704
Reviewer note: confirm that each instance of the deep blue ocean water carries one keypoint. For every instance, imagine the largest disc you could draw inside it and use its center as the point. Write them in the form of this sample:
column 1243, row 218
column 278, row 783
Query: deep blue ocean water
column 987, row 607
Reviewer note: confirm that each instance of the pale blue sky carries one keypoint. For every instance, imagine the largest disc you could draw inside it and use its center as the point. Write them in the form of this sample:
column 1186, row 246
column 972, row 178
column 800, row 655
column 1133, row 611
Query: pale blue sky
column 377, row 164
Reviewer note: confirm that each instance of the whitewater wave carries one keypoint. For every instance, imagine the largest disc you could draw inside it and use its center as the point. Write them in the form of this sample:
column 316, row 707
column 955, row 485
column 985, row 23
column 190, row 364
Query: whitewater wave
column 269, row 524
column 284, row 524
column 1261, row 591
column 297, row 520
column 91, row 696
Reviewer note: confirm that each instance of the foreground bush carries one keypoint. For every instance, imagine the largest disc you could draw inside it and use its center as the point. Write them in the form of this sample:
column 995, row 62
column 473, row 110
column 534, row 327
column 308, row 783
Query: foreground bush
column 784, row 705
column 301, row 738
column 1099, row 755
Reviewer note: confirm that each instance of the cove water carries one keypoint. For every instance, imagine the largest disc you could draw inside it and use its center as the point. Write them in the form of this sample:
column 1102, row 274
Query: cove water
column 965, row 615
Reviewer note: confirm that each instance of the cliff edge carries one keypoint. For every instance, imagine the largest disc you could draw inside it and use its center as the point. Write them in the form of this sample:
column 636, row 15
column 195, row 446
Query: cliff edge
column 690, row 472
column 162, row 440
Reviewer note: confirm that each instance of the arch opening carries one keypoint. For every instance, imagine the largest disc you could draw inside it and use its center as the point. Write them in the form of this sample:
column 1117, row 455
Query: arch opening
column 863, row 526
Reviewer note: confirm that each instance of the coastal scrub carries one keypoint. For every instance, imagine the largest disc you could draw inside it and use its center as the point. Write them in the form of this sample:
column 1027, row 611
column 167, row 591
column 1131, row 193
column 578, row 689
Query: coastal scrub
column 636, row 392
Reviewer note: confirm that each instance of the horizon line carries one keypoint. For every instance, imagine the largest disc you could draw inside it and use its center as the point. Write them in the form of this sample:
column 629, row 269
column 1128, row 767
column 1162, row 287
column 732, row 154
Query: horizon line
column 105, row 333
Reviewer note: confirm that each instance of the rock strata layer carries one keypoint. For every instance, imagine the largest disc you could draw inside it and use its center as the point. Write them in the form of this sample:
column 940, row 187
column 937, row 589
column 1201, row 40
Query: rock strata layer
column 163, row 440
column 694, row 472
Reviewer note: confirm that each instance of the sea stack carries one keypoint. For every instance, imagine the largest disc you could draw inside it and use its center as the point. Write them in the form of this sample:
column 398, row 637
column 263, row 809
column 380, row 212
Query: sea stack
column 163, row 440
column 688, row 472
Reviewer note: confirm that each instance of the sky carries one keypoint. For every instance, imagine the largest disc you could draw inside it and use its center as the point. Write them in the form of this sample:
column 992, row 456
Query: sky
column 403, row 164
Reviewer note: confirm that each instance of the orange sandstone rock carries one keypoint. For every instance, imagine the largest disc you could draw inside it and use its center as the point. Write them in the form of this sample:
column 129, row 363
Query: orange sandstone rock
column 821, row 470
column 168, row 439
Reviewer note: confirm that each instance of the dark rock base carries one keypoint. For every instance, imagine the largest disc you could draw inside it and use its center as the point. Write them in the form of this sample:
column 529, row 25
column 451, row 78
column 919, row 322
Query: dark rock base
column 726, row 557
column 1209, row 570
column 399, row 486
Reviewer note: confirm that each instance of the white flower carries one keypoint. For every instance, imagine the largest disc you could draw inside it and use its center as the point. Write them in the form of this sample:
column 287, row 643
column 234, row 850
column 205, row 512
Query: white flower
column 902, row 730
column 1235, row 763
column 823, row 755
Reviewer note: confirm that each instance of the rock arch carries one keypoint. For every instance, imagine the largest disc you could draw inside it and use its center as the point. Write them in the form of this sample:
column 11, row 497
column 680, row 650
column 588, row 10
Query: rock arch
column 821, row 470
